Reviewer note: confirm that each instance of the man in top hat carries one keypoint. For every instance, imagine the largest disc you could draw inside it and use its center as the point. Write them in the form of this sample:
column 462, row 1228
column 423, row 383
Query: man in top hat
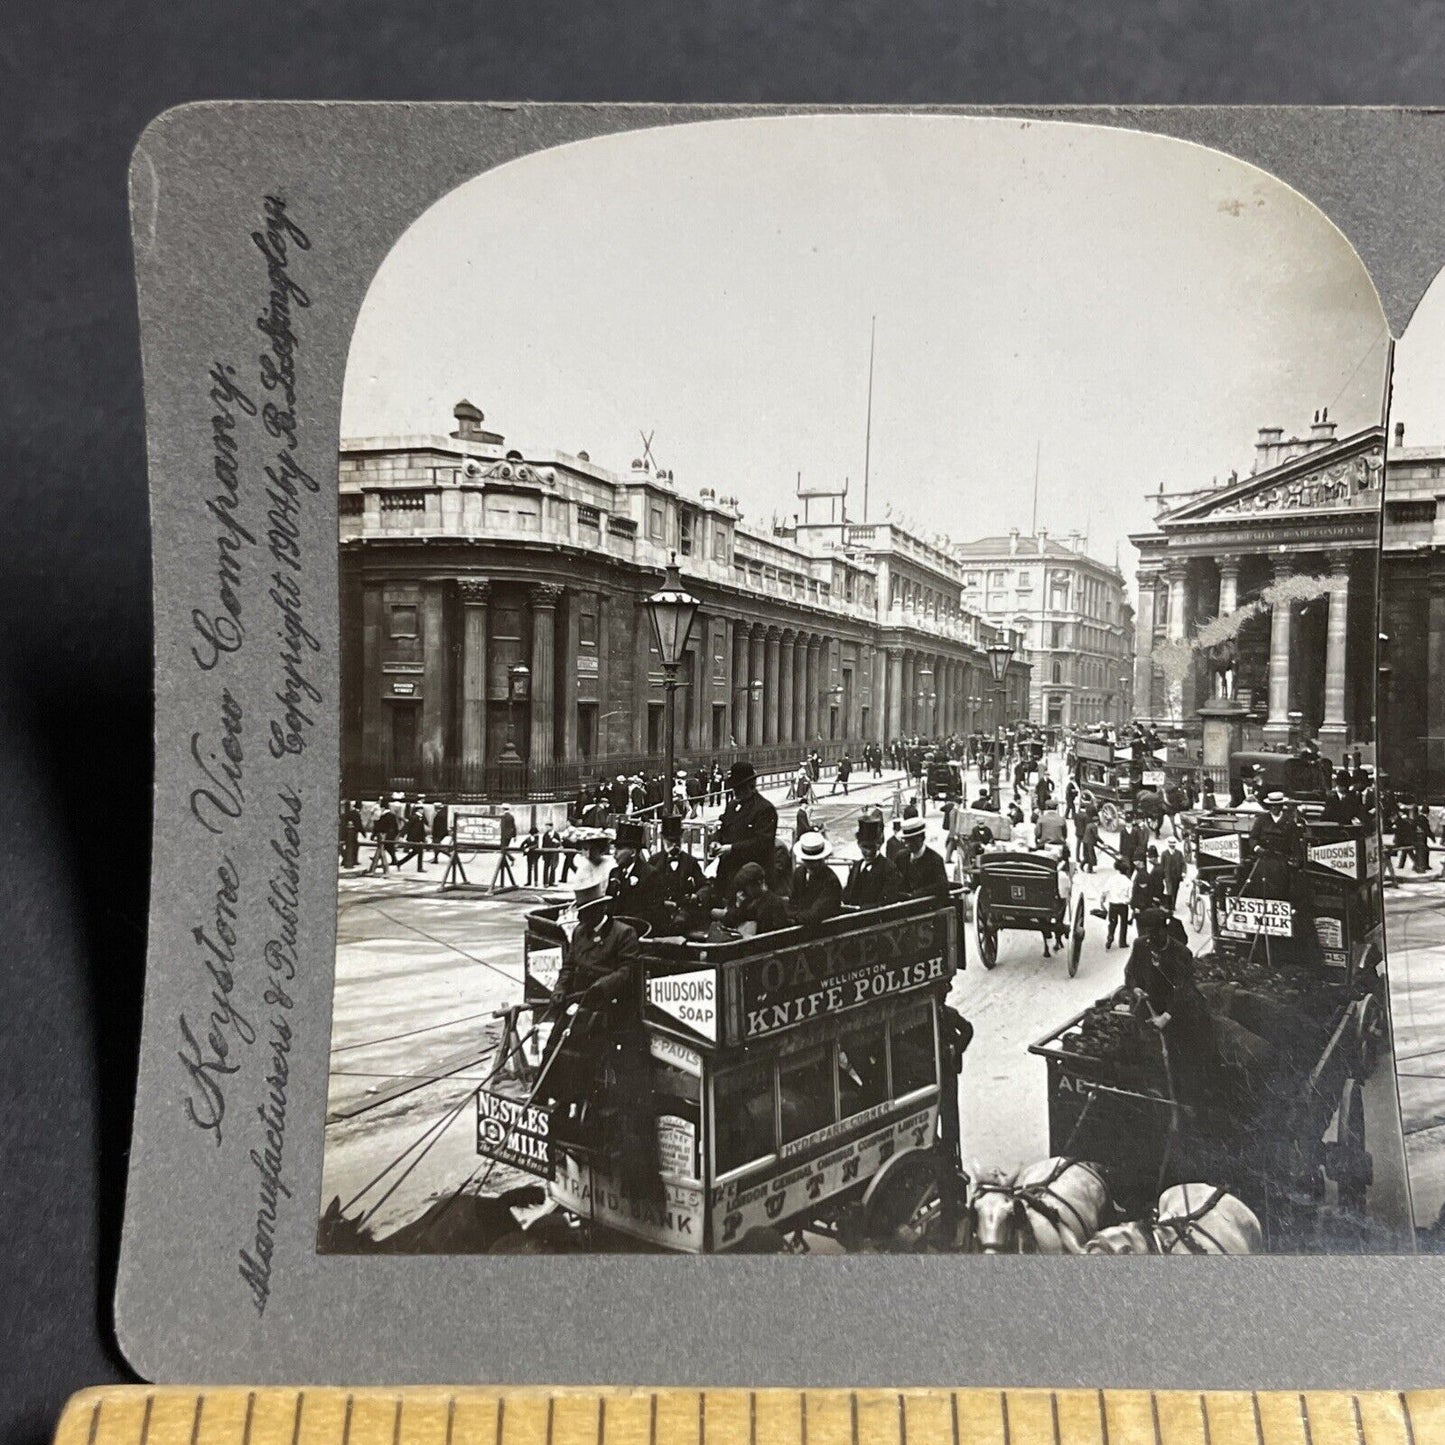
column 632, row 884
column 873, row 881
column 1342, row 805
column 679, row 877
column 817, row 895
column 920, row 869
column 747, row 829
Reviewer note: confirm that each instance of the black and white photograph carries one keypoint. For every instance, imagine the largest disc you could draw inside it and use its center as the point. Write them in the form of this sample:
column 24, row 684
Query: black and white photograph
column 857, row 724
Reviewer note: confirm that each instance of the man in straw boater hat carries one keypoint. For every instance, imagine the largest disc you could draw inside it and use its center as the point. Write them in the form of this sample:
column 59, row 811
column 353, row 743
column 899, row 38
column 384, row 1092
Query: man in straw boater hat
column 817, row 894
column 601, row 1056
column 872, row 881
column 921, row 870
column 680, row 879
column 747, row 829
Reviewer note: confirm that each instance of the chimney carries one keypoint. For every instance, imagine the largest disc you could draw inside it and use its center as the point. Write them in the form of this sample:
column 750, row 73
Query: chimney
column 1268, row 448
column 1013, row 541
column 1399, row 433
column 1042, row 539
column 1322, row 429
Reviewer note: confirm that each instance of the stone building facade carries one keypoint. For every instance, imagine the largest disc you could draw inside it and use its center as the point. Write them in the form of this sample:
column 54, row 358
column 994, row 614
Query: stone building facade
column 463, row 559
column 1290, row 551
column 1075, row 616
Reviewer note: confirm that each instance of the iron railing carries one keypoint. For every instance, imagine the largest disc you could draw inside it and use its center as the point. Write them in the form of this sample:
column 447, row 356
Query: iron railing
column 521, row 781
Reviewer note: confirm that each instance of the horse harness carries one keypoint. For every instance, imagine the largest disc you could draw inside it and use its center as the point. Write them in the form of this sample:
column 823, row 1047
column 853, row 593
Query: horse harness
column 1186, row 1228
column 1040, row 1197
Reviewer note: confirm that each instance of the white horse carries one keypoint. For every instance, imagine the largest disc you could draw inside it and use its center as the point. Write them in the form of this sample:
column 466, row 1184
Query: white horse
column 1051, row 1207
column 1189, row 1219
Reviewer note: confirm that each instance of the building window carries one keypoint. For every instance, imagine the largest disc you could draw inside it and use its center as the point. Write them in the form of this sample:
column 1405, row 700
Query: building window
column 720, row 544
column 655, row 522
column 587, row 629
column 684, row 537
column 1058, row 671
column 403, row 620
column 1056, row 634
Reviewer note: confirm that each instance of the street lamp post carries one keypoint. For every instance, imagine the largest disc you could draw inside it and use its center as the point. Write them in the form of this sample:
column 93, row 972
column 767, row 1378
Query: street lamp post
column 1000, row 654
column 519, row 680
column 673, row 611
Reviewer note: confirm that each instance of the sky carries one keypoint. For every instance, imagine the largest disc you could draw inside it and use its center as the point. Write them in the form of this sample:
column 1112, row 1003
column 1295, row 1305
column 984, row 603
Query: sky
column 1126, row 309
column 1417, row 397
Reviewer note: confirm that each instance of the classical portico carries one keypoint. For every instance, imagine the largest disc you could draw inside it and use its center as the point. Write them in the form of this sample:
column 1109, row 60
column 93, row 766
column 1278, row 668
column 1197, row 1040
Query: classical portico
column 1261, row 591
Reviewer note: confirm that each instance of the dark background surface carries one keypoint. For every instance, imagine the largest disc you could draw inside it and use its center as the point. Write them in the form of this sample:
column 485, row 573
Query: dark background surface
column 77, row 84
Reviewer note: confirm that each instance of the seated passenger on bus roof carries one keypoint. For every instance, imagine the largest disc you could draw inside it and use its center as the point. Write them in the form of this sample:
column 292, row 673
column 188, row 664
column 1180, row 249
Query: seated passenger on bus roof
column 755, row 908
column 817, row 895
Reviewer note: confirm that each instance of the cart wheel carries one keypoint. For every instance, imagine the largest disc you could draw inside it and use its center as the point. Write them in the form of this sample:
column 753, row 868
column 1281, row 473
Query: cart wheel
column 902, row 1201
column 1109, row 817
column 987, row 931
column 1196, row 908
column 1348, row 1162
column 1076, row 942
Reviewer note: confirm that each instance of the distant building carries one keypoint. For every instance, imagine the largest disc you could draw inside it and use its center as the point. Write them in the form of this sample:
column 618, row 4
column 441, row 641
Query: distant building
column 465, row 561
column 1411, row 695
column 1074, row 614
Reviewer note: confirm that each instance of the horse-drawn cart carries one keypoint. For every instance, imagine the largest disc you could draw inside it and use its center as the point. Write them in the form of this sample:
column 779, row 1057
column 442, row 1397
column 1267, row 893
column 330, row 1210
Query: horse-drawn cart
column 1294, row 1150
column 1021, row 891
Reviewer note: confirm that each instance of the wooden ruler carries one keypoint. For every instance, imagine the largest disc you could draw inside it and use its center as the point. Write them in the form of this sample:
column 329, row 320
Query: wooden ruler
column 174, row 1415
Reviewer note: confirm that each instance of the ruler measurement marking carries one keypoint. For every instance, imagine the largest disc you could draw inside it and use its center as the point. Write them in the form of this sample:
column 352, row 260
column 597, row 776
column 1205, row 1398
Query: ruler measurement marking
column 145, row 1419
column 1304, row 1414
column 701, row 1417
column 95, row 1421
column 1409, row 1423
column 295, row 1422
column 250, row 1412
column 1258, row 1423
column 902, row 1420
column 1003, row 1405
column 1359, row 1423
column 953, row 1402
column 853, row 1414
column 803, row 1415
column 196, row 1418
column 1204, row 1421
column 345, row 1424
column 1103, row 1419
column 1154, row 1417
column 601, row 1417
column 1054, row 1413
column 451, row 1416
column 551, row 1411
column 753, row 1417
column 396, row 1423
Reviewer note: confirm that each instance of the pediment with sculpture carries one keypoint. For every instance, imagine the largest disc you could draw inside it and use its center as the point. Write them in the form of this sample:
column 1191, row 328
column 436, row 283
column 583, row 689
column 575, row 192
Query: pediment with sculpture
column 1352, row 483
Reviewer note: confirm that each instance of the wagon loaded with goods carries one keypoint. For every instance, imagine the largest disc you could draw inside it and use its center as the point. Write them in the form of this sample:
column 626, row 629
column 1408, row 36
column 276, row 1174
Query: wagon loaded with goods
column 1293, row 1145
column 796, row 1082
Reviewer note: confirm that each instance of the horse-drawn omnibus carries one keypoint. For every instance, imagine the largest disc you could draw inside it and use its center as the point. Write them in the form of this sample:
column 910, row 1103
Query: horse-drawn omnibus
column 800, row 1081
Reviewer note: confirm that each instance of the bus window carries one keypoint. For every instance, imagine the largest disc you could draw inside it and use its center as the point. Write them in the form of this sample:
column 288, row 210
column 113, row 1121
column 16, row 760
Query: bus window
column 862, row 1069
column 676, row 1097
column 913, row 1057
column 743, row 1115
column 805, row 1087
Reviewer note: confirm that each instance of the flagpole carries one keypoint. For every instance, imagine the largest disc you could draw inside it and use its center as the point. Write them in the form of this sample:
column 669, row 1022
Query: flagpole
column 868, row 430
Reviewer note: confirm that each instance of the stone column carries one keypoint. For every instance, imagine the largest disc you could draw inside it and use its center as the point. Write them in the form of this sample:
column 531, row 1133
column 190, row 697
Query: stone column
column 1276, row 728
column 1144, row 643
column 785, row 687
column 569, row 679
column 800, row 688
column 475, row 596
column 740, row 683
column 771, row 685
column 755, row 694
column 1334, row 731
column 895, row 694
column 1228, row 585
column 1174, row 574
column 545, row 597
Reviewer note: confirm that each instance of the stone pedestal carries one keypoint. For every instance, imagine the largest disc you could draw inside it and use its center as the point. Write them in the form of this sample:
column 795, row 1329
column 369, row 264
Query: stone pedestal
column 1223, row 720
